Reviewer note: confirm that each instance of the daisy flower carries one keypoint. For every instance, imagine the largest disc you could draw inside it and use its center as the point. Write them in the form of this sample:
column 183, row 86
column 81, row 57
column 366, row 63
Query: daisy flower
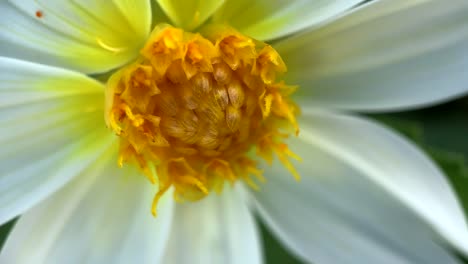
column 151, row 131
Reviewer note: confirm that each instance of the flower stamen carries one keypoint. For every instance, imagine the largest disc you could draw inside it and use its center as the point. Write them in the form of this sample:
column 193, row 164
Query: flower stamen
column 191, row 108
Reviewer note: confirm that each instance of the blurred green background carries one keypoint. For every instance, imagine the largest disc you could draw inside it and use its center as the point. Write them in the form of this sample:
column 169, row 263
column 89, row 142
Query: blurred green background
column 441, row 131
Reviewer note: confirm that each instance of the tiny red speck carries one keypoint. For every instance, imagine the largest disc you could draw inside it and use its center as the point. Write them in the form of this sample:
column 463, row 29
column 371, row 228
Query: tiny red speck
column 39, row 14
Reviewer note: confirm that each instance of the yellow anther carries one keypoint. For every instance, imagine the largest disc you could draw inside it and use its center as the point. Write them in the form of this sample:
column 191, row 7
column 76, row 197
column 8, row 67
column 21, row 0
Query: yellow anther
column 265, row 104
column 268, row 64
column 113, row 120
column 157, row 197
column 137, row 120
column 193, row 181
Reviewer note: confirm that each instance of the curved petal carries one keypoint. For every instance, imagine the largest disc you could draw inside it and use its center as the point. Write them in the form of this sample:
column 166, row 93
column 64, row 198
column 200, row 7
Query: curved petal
column 88, row 36
column 103, row 216
column 217, row 229
column 359, row 182
column 189, row 14
column 387, row 55
column 267, row 20
column 52, row 129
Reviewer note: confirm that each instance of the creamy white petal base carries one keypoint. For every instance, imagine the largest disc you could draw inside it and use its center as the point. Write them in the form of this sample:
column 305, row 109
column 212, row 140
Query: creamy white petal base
column 217, row 229
column 267, row 20
column 88, row 36
column 103, row 216
column 361, row 186
column 52, row 129
column 386, row 55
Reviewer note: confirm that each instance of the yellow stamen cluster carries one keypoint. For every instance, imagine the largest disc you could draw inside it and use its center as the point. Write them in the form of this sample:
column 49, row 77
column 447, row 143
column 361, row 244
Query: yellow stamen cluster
column 191, row 108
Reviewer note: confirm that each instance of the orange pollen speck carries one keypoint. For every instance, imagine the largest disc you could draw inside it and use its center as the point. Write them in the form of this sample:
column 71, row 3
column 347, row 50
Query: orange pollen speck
column 191, row 108
column 39, row 14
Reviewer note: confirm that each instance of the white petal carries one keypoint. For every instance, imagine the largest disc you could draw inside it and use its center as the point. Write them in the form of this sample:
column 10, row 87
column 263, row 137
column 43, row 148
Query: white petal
column 52, row 128
column 266, row 20
column 387, row 55
column 217, row 229
column 346, row 208
column 103, row 216
column 89, row 36
column 189, row 14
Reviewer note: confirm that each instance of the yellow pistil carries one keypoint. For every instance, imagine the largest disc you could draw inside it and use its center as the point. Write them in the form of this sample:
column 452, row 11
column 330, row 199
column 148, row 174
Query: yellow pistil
column 191, row 108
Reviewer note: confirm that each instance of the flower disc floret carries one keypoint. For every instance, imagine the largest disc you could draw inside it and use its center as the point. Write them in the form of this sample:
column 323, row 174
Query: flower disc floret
column 193, row 110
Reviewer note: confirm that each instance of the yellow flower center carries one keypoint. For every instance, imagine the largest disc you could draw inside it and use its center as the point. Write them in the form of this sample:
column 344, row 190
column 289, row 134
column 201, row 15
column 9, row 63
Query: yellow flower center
column 193, row 111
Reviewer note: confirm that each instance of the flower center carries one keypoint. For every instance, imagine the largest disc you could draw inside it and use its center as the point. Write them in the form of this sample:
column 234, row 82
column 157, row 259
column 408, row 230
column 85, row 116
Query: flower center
column 193, row 111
